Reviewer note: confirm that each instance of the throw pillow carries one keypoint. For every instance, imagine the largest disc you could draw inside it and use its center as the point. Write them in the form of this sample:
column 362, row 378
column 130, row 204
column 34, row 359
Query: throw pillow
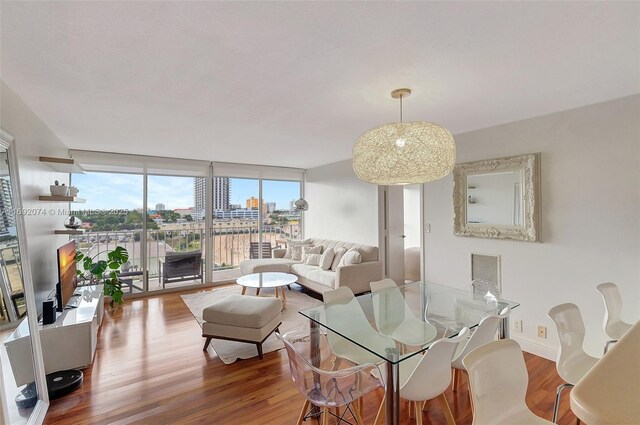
column 296, row 252
column 312, row 259
column 352, row 256
column 339, row 252
column 288, row 253
column 327, row 259
column 310, row 249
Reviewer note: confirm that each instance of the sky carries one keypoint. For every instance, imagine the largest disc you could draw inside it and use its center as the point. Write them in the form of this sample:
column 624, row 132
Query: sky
column 124, row 191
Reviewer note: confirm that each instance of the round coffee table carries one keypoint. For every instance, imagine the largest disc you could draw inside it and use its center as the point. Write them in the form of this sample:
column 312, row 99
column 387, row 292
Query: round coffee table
column 267, row 280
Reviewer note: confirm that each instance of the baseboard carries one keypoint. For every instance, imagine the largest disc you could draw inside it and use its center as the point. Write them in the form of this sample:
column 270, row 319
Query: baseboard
column 533, row 347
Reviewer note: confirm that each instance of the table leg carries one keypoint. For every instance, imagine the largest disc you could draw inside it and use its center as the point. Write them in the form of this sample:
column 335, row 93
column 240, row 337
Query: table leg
column 284, row 297
column 244, row 289
column 257, row 291
column 392, row 397
column 314, row 356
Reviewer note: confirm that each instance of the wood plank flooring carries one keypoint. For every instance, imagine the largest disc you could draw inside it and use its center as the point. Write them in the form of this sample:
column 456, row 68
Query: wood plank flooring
column 150, row 369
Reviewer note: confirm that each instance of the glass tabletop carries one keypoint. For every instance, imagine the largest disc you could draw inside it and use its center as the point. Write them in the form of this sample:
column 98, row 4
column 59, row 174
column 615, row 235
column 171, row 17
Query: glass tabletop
column 409, row 318
column 267, row 280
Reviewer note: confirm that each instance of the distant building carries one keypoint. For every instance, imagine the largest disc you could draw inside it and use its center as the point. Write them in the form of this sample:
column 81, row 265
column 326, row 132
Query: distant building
column 184, row 211
column 253, row 203
column 271, row 207
column 220, row 198
column 244, row 214
column 235, row 206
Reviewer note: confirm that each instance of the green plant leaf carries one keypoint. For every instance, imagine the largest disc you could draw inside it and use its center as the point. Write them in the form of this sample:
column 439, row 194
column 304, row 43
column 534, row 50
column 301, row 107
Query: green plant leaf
column 99, row 268
column 114, row 265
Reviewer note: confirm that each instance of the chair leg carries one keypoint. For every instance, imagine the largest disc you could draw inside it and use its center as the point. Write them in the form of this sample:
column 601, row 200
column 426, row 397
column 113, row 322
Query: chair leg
column 303, row 412
column 557, row 403
column 380, row 414
column 325, row 416
column 418, row 412
column 357, row 412
column 206, row 343
column 445, row 408
column 411, row 409
column 456, row 376
column 424, row 405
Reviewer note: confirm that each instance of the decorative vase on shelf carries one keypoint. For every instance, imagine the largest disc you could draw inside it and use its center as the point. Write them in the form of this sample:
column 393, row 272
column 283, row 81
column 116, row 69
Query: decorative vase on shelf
column 58, row 190
column 72, row 222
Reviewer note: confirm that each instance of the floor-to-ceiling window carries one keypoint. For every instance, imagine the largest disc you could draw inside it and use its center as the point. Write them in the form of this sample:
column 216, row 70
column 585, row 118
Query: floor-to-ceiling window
column 112, row 216
column 175, row 232
column 164, row 209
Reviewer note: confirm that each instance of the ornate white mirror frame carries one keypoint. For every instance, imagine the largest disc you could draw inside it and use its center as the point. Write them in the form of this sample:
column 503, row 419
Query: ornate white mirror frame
column 529, row 230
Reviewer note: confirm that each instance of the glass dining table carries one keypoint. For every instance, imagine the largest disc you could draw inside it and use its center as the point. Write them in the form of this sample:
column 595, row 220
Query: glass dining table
column 397, row 323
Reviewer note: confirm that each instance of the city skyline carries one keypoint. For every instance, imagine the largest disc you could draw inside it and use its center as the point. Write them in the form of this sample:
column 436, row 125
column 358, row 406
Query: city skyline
column 104, row 191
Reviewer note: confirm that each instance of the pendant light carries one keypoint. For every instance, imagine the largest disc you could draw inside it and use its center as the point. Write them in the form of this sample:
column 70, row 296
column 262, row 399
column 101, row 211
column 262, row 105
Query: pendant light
column 404, row 153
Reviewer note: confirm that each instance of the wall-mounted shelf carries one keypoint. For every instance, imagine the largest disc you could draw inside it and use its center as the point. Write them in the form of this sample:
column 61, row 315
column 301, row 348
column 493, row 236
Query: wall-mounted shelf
column 62, row 165
column 69, row 232
column 55, row 198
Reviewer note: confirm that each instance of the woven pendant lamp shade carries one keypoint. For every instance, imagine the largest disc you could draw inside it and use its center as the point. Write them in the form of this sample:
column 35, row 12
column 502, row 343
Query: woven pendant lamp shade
column 404, row 153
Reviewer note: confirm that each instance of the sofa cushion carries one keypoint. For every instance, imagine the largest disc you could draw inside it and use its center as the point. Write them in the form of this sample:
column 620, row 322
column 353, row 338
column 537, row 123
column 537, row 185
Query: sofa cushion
column 339, row 252
column 327, row 259
column 266, row 265
column 323, row 277
column 350, row 257
column 312, row 259
column 303, row 269
column 369, row 253
column 243, row 311
column 311, row 249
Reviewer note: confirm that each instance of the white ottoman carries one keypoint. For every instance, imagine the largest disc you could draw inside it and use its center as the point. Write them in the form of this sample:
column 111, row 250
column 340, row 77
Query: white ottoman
column 242, row 318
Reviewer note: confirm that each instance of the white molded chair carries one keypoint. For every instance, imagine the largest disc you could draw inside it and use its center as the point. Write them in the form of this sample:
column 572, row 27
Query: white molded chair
column 572, row 362
column 425, row 377
column 341, row 306
column 613, row 324
column 327, row 389
column 483, row 334
column 498, row 382
column 394, row 317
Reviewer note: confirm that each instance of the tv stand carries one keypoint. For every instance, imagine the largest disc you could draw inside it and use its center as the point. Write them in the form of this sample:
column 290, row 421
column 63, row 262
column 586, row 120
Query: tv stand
column 68, row 343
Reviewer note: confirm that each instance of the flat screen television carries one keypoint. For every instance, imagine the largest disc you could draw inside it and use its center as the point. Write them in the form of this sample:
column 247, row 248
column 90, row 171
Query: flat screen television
column 67, row 279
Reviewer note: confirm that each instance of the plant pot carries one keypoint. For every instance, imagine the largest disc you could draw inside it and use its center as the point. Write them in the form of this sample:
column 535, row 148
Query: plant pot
column 58, row 190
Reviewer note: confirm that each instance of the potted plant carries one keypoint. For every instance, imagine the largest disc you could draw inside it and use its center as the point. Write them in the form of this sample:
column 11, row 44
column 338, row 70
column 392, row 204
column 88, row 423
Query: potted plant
column 105, row 272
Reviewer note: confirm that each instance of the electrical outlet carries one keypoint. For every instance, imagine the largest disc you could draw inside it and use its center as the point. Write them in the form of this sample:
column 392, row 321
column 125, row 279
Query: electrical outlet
column 517, row 325
column 542, row 332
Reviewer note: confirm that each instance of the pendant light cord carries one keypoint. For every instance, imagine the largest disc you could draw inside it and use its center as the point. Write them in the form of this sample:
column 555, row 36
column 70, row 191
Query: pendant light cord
column 400, row 108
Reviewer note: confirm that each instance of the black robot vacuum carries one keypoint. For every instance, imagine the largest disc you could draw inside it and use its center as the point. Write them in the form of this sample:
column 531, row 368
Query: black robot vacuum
column 59, row 384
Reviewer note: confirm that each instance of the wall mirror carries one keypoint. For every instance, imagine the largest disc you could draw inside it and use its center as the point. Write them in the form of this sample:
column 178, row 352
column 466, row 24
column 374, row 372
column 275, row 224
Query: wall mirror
column 498, row 198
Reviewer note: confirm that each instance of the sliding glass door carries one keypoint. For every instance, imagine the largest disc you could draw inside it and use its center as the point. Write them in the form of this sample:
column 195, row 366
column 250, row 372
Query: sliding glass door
column 176, row 245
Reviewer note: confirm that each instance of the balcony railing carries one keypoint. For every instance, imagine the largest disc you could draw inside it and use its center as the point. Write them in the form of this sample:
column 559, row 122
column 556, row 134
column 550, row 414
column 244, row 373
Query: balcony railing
column 231, row 245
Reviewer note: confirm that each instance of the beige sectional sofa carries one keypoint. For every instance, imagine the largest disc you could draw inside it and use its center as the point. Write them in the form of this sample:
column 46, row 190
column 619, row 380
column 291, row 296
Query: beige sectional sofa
column 355, row 276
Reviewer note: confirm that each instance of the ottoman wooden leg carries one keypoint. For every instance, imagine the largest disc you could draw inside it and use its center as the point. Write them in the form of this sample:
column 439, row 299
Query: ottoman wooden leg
column 259, row 346
column 206, row 343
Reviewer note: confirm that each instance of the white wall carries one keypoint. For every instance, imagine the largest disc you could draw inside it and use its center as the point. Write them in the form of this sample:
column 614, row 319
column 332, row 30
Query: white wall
column 341, row 207
column 33, row 139
column 411, row 212
column 590, row 160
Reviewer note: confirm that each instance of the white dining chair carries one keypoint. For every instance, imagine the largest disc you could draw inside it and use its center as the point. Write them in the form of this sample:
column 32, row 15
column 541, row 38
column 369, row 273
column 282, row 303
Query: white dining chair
column 572, row 362
column 394, row 317
column 425, row 377
column 613, row 324
column 483, row 334
column 498, row 382
column 341, row 306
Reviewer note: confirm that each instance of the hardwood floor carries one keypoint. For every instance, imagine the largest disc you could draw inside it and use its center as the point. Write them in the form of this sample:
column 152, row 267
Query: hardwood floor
column 150, row 369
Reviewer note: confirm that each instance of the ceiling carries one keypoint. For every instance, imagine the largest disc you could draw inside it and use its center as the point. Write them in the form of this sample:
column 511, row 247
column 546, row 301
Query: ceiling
column 295, row 84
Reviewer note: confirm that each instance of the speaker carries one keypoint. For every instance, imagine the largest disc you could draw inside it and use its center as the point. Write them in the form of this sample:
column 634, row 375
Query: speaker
column 48, row 312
